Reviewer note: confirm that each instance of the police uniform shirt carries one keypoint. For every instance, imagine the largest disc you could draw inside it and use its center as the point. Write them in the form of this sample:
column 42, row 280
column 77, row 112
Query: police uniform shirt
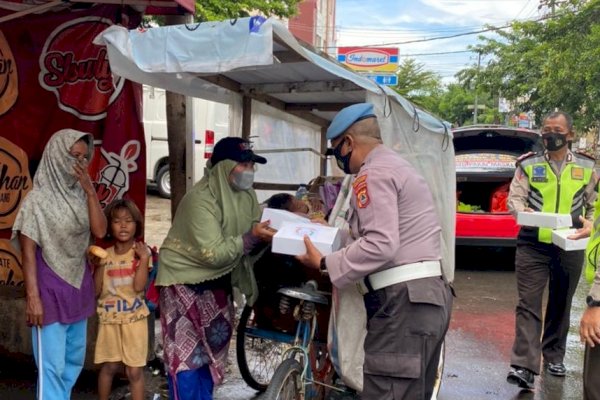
column 392, row 219
column 519, row 187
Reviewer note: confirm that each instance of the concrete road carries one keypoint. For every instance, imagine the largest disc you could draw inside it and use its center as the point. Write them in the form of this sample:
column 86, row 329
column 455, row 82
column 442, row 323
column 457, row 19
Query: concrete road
column 478, row 343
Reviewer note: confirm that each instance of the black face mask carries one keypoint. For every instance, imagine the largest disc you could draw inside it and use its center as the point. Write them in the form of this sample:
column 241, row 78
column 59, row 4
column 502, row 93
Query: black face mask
column 342, row 161
column 554, row 140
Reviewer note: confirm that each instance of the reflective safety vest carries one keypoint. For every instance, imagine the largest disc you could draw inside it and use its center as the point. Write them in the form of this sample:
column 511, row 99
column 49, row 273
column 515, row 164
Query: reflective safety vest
column 593, row 246
column 562, row 195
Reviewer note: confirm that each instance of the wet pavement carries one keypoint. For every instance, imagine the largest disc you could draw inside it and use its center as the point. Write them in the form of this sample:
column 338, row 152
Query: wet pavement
column 478, row 342
column 482, row 330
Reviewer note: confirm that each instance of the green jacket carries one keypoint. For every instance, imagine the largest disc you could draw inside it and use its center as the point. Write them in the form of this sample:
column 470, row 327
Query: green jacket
column 205, row 239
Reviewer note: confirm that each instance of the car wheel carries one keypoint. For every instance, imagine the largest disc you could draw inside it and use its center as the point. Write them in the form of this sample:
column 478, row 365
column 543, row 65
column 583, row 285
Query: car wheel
column 163, row 181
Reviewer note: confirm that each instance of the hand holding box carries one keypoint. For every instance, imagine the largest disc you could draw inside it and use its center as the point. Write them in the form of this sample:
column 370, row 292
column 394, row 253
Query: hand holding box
column 289, row 239
column 544, row 219
column 560, row 238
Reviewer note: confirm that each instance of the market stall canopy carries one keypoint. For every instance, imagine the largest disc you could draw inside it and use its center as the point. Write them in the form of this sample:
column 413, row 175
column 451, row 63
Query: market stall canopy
column 254, row 57
column 21, row 8
column 259, row 59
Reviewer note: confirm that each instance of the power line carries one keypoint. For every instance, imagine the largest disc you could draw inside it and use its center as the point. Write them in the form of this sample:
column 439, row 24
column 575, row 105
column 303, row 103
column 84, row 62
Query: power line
column 308, row 26
column 436, row 54
column 523, row 9
column 441, row 37
column 359, row 29
column 493, row 28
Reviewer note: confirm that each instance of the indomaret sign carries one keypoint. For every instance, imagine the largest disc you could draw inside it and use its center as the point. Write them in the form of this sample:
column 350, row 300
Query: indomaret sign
column 369, row 59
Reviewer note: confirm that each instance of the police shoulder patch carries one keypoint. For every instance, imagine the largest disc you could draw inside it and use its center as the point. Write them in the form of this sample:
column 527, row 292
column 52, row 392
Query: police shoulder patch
column 361, row 192
column 524, row 157
column 585, row 154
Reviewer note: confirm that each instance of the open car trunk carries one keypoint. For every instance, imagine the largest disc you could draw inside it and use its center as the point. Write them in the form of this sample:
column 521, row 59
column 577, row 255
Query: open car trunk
column 485, row 165
column 480, row 189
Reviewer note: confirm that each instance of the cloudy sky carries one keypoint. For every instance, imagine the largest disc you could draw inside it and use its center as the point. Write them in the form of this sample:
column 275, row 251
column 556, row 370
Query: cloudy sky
column 389, row 23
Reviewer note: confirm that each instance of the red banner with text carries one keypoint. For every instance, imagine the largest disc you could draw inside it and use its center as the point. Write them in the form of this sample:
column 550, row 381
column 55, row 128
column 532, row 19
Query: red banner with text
column 53, row 77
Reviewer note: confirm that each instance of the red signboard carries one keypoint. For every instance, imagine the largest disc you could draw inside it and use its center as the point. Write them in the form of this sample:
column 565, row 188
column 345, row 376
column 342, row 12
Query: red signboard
column 53, row 77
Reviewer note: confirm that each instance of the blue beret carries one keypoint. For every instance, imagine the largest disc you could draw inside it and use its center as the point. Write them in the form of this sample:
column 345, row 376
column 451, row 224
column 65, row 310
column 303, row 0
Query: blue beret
column 347, row 117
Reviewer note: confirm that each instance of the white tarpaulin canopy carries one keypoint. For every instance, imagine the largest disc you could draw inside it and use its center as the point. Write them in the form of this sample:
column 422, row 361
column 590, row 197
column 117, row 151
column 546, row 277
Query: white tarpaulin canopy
column 261, row 60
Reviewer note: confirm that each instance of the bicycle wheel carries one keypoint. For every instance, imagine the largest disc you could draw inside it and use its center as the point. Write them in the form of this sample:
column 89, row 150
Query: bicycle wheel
column 258, row 352
column 440, row 373
column 286, row 383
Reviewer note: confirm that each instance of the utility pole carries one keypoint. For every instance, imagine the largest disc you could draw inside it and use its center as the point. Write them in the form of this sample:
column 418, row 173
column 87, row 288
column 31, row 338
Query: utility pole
column 476, row 82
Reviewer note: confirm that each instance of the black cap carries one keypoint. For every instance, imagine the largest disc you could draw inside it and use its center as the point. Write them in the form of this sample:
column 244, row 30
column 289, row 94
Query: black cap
column 236, row 149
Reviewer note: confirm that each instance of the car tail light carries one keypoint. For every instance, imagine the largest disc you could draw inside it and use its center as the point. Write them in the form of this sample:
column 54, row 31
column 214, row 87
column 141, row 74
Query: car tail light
column 209, row 143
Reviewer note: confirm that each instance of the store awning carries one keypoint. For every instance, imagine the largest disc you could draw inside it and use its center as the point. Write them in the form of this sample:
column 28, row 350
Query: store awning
column 254, row 57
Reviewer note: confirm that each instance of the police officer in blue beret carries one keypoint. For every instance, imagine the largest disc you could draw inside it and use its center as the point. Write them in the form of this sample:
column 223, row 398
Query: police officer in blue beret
column 393, row 256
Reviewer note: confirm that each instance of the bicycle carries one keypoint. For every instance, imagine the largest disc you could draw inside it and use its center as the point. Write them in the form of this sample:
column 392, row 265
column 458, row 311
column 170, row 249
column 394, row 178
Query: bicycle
column 295, row 367
column 306, row 372
column 259, row 350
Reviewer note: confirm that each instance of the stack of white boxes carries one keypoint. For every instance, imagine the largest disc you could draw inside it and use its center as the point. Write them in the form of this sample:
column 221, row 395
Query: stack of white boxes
column 558, row 223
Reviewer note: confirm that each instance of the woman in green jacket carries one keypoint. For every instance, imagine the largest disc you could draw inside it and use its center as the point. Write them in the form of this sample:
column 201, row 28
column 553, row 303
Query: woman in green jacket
column 209, row 249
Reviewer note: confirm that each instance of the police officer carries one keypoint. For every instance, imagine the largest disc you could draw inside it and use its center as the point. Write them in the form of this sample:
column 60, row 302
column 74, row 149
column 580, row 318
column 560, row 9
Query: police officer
column 394, row 258
column 557, row 181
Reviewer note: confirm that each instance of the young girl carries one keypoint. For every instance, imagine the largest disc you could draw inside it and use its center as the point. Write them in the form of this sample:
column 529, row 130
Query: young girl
column 120, row 280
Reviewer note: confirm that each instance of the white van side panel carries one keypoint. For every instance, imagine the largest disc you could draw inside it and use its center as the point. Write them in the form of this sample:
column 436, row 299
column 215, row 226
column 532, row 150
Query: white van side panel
column 208, row 115
column 155, row 130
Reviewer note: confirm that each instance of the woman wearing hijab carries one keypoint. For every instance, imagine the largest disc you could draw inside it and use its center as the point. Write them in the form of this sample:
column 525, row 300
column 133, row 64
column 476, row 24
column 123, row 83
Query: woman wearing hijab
column 54, row 227
column 206, row 252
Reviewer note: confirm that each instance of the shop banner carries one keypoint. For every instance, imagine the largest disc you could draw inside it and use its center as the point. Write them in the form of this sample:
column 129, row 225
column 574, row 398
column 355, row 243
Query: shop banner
column 53, row 77
column 370, row 59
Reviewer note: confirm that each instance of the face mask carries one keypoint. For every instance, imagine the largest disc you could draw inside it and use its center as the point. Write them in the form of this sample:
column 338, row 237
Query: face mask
column 554, row 140
column 343, row 162
column 242, row 180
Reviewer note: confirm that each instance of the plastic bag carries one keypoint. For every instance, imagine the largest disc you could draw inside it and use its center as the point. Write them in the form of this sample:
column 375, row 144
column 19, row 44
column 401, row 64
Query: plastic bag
column 348, row 319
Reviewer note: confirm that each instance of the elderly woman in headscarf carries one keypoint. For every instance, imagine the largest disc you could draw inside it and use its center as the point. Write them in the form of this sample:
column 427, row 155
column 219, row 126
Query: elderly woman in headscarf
column 209, row 249
column 54, row 226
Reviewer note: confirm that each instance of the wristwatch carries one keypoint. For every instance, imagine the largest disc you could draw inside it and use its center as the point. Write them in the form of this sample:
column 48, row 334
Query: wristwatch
column 323, row 266
column 591, row 302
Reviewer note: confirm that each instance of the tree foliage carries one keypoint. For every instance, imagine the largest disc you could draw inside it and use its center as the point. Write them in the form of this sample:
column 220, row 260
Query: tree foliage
column 453, row 103
column 457, row 102
column 421, row 86
column 547, row 64
column 211, row 10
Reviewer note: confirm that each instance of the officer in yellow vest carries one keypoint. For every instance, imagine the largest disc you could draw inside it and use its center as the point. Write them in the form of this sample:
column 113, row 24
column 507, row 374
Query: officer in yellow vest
column 557, row 181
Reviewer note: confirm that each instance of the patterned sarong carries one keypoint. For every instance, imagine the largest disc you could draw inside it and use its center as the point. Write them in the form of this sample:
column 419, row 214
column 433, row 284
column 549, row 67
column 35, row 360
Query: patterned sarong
column 197, row 326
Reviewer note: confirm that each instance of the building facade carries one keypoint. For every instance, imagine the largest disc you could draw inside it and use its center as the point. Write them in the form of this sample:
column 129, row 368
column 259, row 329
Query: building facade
column 315, row 24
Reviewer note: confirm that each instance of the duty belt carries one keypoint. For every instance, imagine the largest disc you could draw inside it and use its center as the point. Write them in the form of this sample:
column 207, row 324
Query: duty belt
column 401, row 273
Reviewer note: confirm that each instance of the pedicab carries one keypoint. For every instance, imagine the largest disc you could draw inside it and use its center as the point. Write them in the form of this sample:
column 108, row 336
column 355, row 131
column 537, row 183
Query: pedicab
column 282, row 344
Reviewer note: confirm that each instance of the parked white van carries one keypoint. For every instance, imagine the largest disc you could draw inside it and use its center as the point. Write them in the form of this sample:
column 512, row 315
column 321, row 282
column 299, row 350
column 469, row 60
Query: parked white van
column 211, row 123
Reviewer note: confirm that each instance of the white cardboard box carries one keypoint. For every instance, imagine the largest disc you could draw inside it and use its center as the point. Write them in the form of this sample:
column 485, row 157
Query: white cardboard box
column 290, row 238
column 278, row 217
column 544, row 219
column 559, row 238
